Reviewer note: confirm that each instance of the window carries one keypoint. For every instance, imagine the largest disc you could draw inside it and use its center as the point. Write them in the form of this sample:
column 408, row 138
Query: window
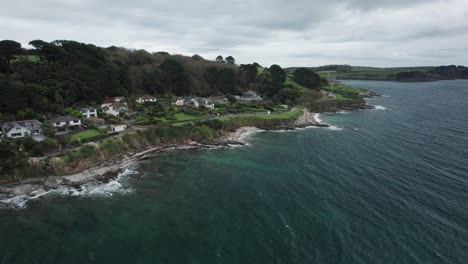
column 16, row 134
column 57, row 123
column 18, row 128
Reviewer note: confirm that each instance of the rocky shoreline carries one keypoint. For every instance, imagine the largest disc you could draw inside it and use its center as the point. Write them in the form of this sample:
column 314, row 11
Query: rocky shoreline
column 19, row 193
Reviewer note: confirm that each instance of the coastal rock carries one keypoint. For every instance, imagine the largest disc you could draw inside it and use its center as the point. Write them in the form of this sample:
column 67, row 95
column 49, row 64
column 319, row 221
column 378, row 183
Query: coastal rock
column 51, row 183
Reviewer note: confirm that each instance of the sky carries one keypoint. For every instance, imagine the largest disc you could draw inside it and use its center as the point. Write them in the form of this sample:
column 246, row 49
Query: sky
column 383, row 33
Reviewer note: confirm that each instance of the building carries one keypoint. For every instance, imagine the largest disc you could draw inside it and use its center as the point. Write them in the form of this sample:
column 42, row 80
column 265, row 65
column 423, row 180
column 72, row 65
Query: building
column 21, row 129
column 96, row 121
column 119, row 99
column 249, row 96
column 204, row 102
column 178, row 101
column 331, row 95
column 193, row 102
column 145, row 99
column 114, row 100
column 64, row 123
column 218, row 99
column 116, row 128
column 115, row 109
column 88, row 112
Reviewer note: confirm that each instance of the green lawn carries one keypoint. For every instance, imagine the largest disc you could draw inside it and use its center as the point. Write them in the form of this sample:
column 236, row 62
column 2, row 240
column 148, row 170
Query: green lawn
column 184, row 117
column 293, row 113
column 86, row 134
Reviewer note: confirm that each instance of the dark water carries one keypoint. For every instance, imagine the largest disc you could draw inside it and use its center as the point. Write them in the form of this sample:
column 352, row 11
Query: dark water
column 390, row 187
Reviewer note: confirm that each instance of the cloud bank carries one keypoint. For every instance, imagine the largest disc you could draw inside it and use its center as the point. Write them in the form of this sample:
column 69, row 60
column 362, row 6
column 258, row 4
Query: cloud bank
column 289, row 33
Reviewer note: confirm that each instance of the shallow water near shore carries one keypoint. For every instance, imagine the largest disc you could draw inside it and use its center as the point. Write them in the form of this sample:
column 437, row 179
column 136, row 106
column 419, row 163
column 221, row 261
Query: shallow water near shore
column 379, row 186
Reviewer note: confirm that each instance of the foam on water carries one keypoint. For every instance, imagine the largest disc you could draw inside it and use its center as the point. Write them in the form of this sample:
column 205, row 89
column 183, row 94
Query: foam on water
column 379, row 107
column 118, row 185
column 331, row 127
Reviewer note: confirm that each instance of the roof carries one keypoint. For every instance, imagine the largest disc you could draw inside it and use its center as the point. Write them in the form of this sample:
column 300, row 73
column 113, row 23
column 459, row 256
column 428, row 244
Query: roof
column 32, row 124
column 146, row 97
column 109, row 101
column 86, row 109
column 66, row 118
column 217, row 98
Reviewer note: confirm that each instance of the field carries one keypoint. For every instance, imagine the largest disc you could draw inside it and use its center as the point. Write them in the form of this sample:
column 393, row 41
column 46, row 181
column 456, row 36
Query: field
column 86, row 134
column 371, row 73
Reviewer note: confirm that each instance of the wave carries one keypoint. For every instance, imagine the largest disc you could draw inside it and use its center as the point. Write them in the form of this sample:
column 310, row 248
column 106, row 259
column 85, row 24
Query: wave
column 118, row 185
column 379, row 107
column 331, row 127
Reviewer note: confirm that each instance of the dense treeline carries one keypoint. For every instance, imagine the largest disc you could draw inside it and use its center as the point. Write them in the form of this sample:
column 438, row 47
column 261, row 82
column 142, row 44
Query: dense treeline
column 440, row 73
column 53, row 76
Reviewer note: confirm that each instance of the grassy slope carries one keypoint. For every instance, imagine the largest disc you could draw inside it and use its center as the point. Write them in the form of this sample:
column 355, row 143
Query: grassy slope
column 372, row 73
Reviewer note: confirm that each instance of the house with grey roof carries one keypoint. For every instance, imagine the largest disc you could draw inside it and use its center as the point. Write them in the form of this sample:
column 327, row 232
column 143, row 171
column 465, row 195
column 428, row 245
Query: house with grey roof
column 24, row 128
column 249, row 96
column 115, row 109
column 218, row 99
column 64, row 123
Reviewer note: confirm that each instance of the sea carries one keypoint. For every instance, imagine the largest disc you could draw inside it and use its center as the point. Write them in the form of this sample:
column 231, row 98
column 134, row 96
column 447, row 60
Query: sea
column 388, row 185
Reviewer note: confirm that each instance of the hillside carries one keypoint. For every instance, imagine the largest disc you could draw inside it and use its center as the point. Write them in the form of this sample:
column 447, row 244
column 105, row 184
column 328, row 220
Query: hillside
column 424, row 73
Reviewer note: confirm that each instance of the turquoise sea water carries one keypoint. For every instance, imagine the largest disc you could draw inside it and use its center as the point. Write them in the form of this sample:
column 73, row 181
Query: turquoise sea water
column 384, row 186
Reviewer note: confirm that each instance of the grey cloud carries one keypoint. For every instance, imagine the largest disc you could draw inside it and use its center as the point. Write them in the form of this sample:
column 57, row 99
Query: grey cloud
column 257, row 30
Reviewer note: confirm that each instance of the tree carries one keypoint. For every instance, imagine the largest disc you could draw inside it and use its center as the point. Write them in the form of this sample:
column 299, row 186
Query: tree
column 248, row 73
column 307, row 78
column 230, row 60
column 48, row 130
column 220, row 59
column 175, row 77
column 8, row 50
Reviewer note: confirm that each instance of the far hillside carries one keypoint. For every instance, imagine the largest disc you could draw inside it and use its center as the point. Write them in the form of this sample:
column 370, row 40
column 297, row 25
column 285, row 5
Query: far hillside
column 423, row 73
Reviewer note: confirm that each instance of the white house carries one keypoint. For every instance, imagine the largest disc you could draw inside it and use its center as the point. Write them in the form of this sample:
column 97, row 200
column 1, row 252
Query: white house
column 115, row 109
column 178, row 101
column 250, row 96
column 119, row 99
column 204, row 102
column 218, row 99
column 88, row 112
column 193, row 102
column 21, row 129
column 146, row 98
column 116, row 128
column 62, row 123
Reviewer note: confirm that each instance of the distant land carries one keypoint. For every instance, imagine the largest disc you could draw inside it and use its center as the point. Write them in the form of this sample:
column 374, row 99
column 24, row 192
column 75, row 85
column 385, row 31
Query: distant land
column 403, row 74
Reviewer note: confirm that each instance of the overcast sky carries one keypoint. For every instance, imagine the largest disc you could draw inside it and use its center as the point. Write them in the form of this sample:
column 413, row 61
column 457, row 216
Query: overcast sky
column 289, row 33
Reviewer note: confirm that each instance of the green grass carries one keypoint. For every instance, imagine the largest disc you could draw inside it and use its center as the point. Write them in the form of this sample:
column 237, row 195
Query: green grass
column 185, row 117
column 343, row 87
column 86, row 134
column 31, row 58
column 290, row 80
column 294, row 113
column 339, row 97
column 372, row 73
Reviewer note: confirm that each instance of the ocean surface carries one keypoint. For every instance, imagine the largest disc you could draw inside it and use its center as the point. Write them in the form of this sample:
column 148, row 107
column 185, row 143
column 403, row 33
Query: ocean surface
column 380, row 186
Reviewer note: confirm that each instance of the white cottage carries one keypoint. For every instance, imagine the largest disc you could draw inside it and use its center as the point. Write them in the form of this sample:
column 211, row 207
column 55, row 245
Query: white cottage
column 116, row 128
column 21, row 129
column 88, row 112
column 62, row 123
